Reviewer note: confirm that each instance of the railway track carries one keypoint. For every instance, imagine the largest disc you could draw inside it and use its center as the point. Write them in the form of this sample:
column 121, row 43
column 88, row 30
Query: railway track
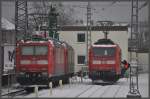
column 94, row 88
column 15, row 93
column 80, row 89
column 75, row 89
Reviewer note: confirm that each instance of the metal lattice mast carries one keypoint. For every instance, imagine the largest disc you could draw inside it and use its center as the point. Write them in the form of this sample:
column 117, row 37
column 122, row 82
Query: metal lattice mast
column 88, row 35
column 52, row 25
column 1, row 56
column 134, row 89
column 21, row 18
column 149, row 30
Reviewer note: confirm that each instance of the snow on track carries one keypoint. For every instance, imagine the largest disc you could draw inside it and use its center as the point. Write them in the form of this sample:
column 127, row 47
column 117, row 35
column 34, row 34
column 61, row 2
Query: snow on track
column 90, row 92
column 78, row 89
column 100, row 91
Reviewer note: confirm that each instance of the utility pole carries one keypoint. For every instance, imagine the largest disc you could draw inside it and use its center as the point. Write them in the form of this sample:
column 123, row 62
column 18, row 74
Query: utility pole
column 134, row 87
column 21, row 29
column 21, row 19
column 1, row 56
column 149, row 30
column 88, row 34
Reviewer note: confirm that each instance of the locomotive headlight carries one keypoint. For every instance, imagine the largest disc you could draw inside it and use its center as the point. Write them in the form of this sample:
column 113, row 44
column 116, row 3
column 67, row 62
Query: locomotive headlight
column 42, row 62
column 111, row 62
column 96, row 62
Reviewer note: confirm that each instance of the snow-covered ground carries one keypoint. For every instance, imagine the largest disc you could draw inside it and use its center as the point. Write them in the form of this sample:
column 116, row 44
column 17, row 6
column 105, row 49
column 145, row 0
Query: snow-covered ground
column 78, row 89
column 144, row 85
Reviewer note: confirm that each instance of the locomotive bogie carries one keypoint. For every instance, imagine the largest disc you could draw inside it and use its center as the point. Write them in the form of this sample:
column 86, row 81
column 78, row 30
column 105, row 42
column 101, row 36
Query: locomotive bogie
column 103, row 75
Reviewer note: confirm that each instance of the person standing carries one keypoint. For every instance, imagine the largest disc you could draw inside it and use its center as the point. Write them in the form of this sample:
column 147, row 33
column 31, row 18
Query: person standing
column 125, row 67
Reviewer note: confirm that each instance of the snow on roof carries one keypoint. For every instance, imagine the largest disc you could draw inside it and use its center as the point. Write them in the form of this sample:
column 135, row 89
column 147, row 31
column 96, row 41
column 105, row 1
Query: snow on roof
column 104, row 45
column 7, row 24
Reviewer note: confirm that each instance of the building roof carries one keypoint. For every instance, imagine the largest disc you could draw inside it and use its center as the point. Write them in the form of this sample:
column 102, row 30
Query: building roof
column 84, row 28
column 94, row 28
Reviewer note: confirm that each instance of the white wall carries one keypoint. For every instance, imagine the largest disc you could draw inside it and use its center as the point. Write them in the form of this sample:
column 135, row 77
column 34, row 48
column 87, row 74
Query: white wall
column 79, row 48
column 143, row 59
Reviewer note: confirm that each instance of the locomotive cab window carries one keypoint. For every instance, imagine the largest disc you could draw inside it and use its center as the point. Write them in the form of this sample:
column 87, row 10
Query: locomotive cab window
column 27, row 50
column 104, row 51
column 34, row 50
column 81, row 59
column 81, row 37
column 41, row 50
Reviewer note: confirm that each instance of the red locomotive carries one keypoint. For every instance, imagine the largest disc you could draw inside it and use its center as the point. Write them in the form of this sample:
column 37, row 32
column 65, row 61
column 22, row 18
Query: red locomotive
column 105, row 61
column 39, row 62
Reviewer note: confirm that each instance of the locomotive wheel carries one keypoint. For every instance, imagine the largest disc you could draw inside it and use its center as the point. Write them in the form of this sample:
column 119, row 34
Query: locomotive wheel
column 111, row 79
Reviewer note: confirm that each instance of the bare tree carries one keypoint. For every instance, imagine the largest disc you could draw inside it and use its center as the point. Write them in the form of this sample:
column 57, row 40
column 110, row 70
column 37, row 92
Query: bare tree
column 66, row 14
column 38, row 14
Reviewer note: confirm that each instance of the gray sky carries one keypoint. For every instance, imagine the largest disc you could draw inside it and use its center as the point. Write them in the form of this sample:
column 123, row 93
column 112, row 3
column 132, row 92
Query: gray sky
column 8, row 10
column 119, row 11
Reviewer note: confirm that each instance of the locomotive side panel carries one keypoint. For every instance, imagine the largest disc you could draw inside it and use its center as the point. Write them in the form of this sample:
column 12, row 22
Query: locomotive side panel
column 51, row 61
column 118, row 61
column 59, row 68
column 66, row 60
column 71, row 61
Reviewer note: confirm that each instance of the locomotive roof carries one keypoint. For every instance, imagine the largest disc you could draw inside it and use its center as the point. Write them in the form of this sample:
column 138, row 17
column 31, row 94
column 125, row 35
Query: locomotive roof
column 104, row 42
column 54, row 42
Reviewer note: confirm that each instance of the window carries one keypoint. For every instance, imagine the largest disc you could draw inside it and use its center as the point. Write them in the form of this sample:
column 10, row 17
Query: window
column 103, row 51
column 34, row 50
column 41, row 50
column 81, row 37
column 27, row 50
column 81, row 59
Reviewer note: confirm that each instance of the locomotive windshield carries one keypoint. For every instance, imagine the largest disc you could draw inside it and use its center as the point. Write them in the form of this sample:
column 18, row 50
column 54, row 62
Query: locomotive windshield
column 104, row 51
column 41, row 50
column 34, row 50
